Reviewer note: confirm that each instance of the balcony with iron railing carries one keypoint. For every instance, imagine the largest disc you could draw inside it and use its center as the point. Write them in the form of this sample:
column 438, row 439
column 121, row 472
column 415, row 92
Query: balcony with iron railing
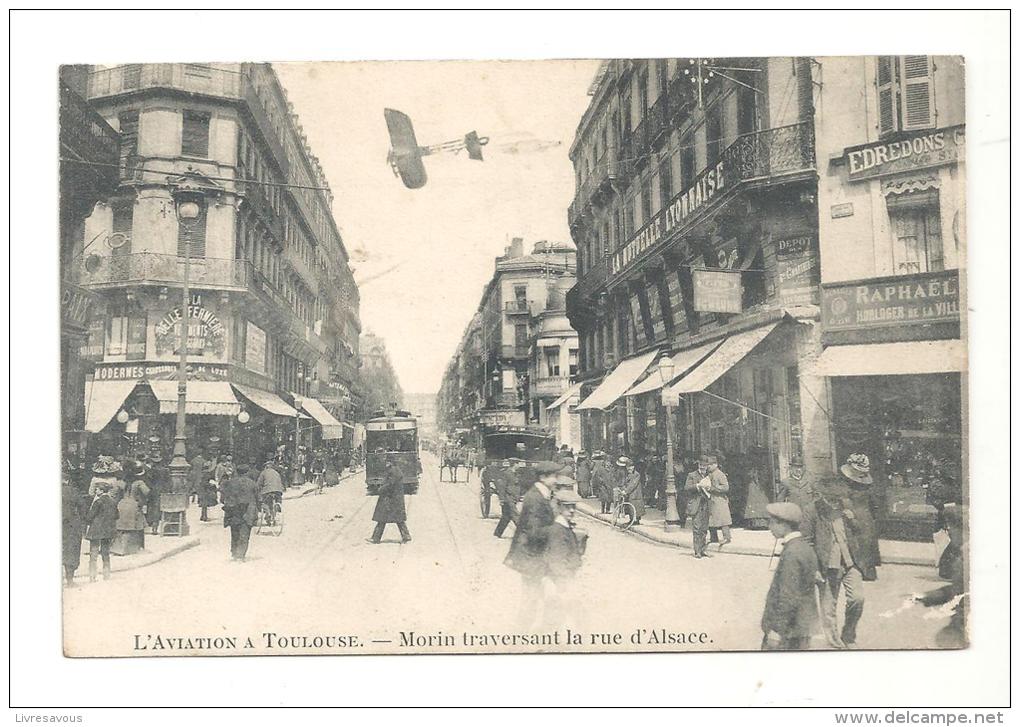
column 256, row 200
column 771, row 156
column 518, row 307
column 513, row 351
column 192, row 78
column 149, row 268
column 309, row 275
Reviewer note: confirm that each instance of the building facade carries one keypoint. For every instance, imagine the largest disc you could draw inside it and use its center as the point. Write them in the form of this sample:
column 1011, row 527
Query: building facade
column 273, row 315
column 892, row 223
column 89, row 153
column 516, row 353
column 695, row 219
column 379, row 380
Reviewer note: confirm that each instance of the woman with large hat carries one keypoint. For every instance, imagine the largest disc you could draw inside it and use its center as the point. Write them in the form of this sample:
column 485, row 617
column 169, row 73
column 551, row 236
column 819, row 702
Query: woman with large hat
column 865, row 505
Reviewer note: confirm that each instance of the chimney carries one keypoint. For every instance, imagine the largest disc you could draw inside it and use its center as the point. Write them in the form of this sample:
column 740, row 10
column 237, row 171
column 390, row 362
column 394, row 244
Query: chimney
column 517, row 247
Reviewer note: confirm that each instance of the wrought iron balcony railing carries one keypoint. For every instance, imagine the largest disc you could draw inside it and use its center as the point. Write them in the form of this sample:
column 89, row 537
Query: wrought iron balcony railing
column 192, row 77
column 771, row 153
column 154, row 269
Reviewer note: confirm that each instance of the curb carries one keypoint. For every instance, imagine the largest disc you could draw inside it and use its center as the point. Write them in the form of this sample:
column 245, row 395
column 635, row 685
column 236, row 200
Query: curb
column 311, row 490
column 662, row 539
column 187, row 544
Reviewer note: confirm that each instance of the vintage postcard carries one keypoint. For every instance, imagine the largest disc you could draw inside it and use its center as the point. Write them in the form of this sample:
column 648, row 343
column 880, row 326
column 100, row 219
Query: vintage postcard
column 614, row 355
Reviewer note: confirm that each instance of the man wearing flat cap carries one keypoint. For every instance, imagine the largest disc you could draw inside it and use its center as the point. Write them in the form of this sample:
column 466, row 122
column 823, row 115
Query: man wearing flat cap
column 565, row 546
column 528, row 547
column 791, row 611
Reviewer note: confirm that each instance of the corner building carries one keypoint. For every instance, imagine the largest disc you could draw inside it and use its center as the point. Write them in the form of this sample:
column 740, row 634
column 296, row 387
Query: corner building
column 274, row 319
column 696, row 225
column 892, row 214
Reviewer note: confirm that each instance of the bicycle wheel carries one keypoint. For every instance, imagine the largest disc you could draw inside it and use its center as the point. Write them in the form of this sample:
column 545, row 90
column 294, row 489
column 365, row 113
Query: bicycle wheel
column 278, row 529
column 624, row 515
column 485, row 501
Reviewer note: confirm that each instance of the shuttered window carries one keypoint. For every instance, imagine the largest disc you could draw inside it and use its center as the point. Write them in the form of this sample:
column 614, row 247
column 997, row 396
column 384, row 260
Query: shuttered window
column 918, row 99
column 123, row 217
column 195, row 230
column 128, row 123
column 916, row 232
column 906, row 96
column 195, row 134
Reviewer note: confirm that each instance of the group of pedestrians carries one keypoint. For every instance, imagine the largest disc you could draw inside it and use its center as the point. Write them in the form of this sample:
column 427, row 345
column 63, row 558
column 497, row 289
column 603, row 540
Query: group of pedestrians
column 111, row 504
column 546, row 547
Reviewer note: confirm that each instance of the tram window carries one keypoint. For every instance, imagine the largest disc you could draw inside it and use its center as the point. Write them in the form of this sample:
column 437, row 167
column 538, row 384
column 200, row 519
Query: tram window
column 392, row 441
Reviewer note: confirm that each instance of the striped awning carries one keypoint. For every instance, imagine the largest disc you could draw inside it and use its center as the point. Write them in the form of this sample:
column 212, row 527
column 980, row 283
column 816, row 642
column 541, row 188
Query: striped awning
column 721, row 360
column 331, row 428
column 267, row 401
column 618, row 381
column 214, row 398
column 102, row 401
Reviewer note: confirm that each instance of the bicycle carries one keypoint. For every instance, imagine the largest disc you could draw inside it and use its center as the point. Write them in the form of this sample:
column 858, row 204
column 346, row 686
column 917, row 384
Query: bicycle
column 624, row 513
column 270, row 517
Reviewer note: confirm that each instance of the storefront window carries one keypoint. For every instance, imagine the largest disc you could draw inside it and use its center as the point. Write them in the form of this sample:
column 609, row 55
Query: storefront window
column 910, row 427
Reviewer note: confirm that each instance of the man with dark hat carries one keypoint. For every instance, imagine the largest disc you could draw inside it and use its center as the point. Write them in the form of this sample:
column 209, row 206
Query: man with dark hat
column 240, row 509
column 505, row 483
column 790, row 608
column 527, row 550
column 389, row 507
column 700, row 487
column 159, row 482
column 582, row 470
column 602, row 481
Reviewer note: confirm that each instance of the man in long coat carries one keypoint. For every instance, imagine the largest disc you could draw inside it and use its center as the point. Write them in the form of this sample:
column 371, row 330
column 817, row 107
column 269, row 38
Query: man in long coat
column 73, row 525
column 564, row 551
column 583, row 473
column 506, row 489
column 389, row 508
column 701, row 486
column 602, row 481
column 102, row 527
column 240, row 510
column 527, row 550
column 830, row 524
column 630, row 483
column 790, row 609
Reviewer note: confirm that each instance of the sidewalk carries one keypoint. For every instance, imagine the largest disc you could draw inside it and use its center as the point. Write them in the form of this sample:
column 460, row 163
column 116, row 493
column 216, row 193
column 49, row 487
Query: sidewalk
column 295, row 491
column 753, row 542
column 157, row 548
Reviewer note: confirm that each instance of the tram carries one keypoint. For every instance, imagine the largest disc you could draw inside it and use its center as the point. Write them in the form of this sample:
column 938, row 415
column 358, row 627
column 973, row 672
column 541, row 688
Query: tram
column 391, row 436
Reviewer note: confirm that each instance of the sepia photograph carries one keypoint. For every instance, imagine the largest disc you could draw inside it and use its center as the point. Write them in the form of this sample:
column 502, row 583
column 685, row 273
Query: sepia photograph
column 724, row 352
column 625, row 353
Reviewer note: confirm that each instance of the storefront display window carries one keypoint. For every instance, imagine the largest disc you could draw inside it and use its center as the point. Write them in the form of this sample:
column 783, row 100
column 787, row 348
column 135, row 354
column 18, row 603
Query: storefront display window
column 910, row 427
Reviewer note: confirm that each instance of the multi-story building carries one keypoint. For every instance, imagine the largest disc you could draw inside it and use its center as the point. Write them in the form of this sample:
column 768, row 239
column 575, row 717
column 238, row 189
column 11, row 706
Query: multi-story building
column 695, row 219
column 273, row 315
column 379, row 381
column 515, row 355
column 552, row 393
column 423, row 407
column 892, row 210
column 88, row 174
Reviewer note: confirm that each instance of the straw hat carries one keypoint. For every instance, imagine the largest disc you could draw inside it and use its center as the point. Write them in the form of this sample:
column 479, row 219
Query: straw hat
column 857, row 469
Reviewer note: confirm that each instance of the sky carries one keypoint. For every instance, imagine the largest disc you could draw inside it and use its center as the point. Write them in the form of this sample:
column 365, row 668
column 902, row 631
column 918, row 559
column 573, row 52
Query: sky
column 423, row 256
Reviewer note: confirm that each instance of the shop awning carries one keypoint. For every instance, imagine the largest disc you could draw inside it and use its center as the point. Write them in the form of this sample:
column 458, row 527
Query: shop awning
column 618, row 381
column 204, row 397
column 102, row 401
column 682, row 363
column 267, row 401
column 331, row 428
column 573, row 391
column 721, row 360
column 882, row 359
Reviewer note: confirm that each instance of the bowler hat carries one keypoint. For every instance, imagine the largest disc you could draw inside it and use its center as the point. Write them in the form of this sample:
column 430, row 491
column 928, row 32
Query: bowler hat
column 598, row 454
column 857, row 469
column 788, row 512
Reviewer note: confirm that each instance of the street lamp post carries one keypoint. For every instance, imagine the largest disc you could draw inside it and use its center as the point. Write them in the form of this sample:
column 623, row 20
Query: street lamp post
column 187, row 206
column 666, row 375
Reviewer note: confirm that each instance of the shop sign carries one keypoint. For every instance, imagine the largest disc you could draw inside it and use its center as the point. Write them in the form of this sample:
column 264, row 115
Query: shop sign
column 718, row 291
column 930, row 148
column 206, row 334
column 255, row 348
column 75, row 303
column 706, row 186
column 497, row 418
column 842, row 210
column 895, row 301
column 794, row 247
column 157, row 372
